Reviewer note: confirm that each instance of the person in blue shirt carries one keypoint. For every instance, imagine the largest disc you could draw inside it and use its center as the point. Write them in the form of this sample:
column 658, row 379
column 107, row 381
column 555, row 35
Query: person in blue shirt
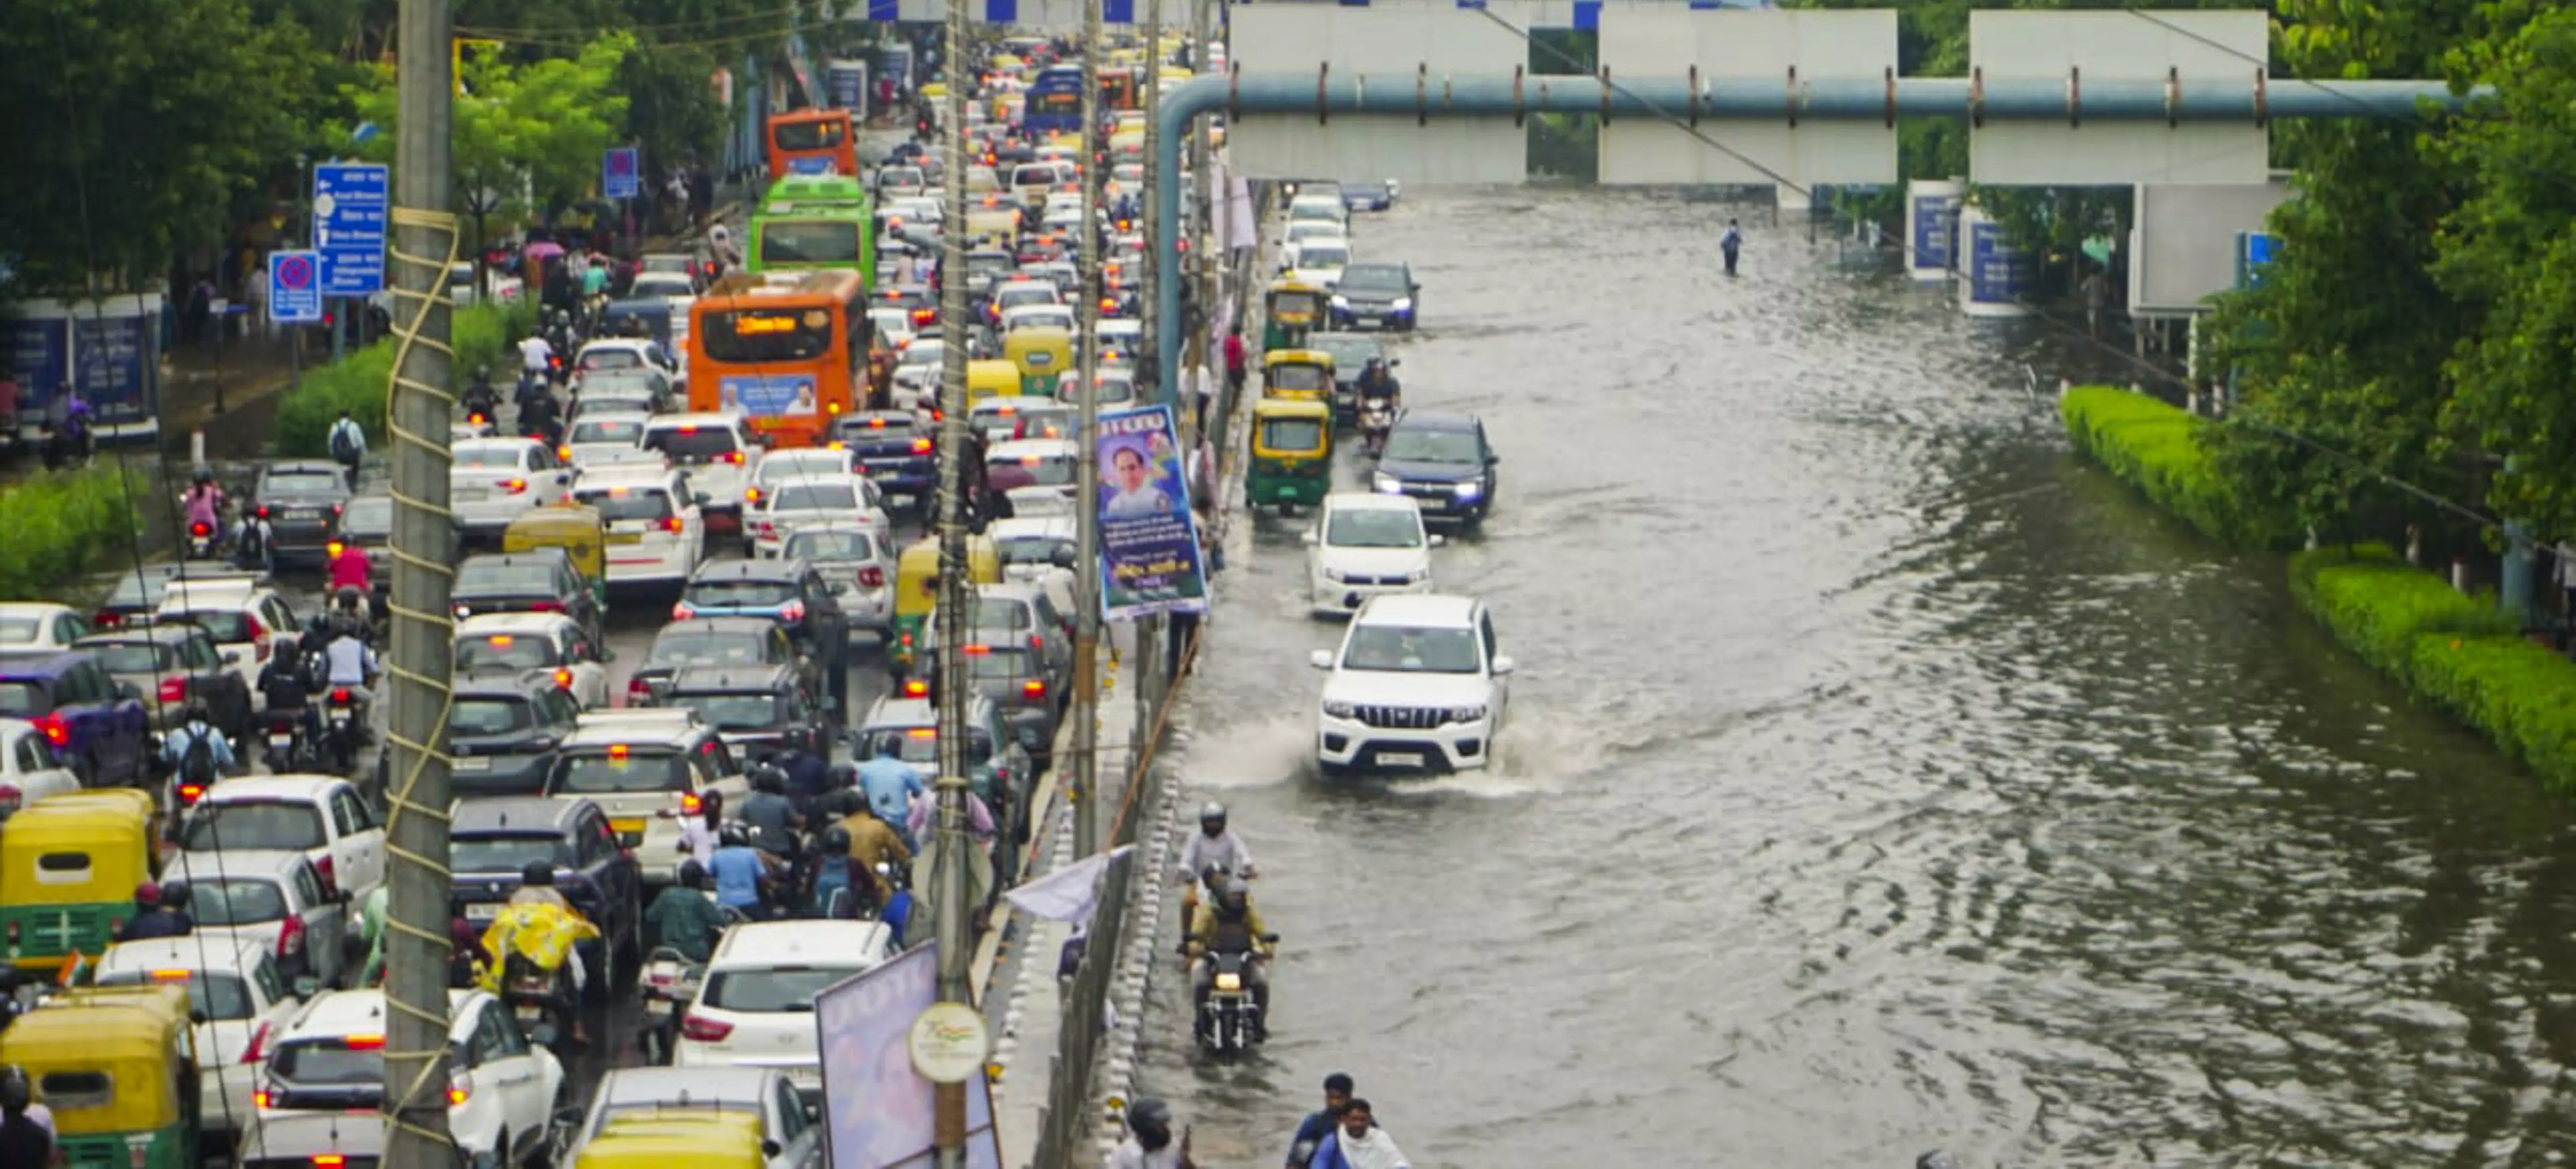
column 197, row 727
column 1318, row 1125
column 740, row 870
column 891, row 785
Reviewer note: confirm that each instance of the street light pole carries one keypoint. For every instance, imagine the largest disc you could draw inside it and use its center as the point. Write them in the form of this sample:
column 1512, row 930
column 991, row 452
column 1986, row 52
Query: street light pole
column 1085, row 710
column 949, row 875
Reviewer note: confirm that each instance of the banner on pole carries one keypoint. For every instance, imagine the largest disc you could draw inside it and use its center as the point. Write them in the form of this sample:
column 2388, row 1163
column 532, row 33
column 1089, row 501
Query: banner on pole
column 877, row 1111
column 1149, row 538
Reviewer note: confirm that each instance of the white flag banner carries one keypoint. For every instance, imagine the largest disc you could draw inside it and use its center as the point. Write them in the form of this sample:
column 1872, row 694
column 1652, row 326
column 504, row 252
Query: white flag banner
column 1069, row 893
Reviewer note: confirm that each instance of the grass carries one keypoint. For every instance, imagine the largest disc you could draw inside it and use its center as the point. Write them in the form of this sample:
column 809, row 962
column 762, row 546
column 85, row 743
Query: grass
column 63, row 525
column 360, row 383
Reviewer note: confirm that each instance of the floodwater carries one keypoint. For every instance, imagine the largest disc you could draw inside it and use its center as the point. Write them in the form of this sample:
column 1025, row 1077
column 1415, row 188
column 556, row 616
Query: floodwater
column 1880, row 778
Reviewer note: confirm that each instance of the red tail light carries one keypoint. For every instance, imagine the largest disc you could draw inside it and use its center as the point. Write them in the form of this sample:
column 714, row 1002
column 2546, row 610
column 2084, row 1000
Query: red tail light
column 921, row 446
column 258, row 1049
column 201, row 529
column 263, row 511
column 563, row 679
column 173, row 691
column 258, row 638
column 561, row 452
column 682, row 611
column 691, row 804
column 363, row 1042
column 320, row 1160
column 290, row 941
column 923, row 316
column 11, row 798
column 329, row 872
column 734, row 457
column 340, row 696
column 190, row 793
column 106, row 619
column 792, row 611
column 638, row 688
column 871, row 577
column 514, row 486
column 698, row 1028
column 916, row 688
column 57, row 732
column 671, row 524
column 1033, row 690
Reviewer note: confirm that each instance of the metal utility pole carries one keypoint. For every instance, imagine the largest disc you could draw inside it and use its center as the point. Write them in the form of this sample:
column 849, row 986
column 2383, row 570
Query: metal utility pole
column 949, row 880
column 1086, row 509
column 1149, row 629
column 1200, row 236
column 421, row 661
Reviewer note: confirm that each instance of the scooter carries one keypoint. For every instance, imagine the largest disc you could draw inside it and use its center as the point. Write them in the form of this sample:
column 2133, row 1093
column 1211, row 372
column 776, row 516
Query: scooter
column 1231, row 1022
column 540, row 999
column 342, row 730
column 203, row 543
column 1377, row 416
column 289, row 747
column 670, row 982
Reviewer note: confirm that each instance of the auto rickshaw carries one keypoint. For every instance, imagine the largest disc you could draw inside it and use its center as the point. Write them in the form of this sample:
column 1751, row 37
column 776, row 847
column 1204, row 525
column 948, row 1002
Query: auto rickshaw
column 675, row 1136
column 118, row 1068
column 993, row 377
column 1042, row 355
column 68, row 868
column 1292, row 453
column 1292, row 308
column 916, row 590
column 581, row 531
column 1297, row 373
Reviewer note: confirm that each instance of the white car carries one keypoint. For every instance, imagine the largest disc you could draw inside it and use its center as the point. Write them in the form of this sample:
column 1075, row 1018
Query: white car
column 917, row 371
column 896, row 182
column 1040, row 550
column 1417, row 685
column 816, row 499
column 534, row 643
column 1319, row 202
column 501, row 1089
column 856, row 562
column 798, row 463
column 246, row 1006
column 1120, row 340
column 755, row 1006
column 29, row 770
column 718, row 451
column 796, row 1139
column 1365, row 545
column 241, row 613
column 272, row 898
column 321, row 816
column 1316, row 261
column 603, row 432
column 891, row 325
column 657, row 524
column 1117, row 389
column 311, row 1140
column 1013, row 294
column 611, row 353
column 496, row 480
column 1034, row 462
column 36, row 629
column 1302, row 230
column 997, row 418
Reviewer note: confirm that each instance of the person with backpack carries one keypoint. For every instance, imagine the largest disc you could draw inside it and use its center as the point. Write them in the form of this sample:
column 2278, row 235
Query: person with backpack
column 348, row 445
column 251, row 542
column 197, row 751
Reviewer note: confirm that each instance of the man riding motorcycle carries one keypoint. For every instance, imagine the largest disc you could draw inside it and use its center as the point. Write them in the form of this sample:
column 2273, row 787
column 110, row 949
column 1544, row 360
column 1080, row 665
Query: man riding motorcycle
column 1215, row 847
column 873, row 842
column 286, row 691
column 480, row 397
column 540, row 925
column 769, row 814
column 681, row 918
column 350, row 664
column 1380, row 397
column 743, row 874
column 1231, row 923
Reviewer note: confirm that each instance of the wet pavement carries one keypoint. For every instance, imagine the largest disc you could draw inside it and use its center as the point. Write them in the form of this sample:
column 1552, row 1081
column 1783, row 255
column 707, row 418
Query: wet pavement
column 1879, row 777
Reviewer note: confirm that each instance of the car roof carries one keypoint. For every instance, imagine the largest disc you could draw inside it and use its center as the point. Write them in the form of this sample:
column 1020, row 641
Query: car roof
column 547, row 556
column 730, row 679
column 1430, row 610
column 47, row 668
column 495, row 442
column 1371, row 501
column 1033, row 527
column 627, row 416
column 768, row 943
column 1026, row 447
column 678, row 726
column 310, row 788
column 512, row 685
column 360, row 1012
column 231, row 863
column 681, row 1087
column 712, row 626
column 513, row 813
column 185, row 953
column 768, row 568
column 300, row 467
column 1429, row 420
column 513, row 623
column 696, row 418
column 637, row 474
column 156, row 632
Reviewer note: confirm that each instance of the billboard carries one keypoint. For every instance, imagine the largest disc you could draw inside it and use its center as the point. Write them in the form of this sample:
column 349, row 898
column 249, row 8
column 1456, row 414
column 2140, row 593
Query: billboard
column 877, row 1111
column 1994, row 276
column 1149, row 539
column 40, row 356
column 767, row 395
column 1932, row 227
column 113, row 368
column 2182, row 245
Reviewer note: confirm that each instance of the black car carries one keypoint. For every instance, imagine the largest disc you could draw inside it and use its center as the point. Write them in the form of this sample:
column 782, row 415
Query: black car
column 713, row 641
column 756, row 710
column 539, row 581
column 137, row 595
column 1351, row 353
column 368, row 522
column 788, row 591
column 172, row 664
column 504, row 732
column 1369, row 194
column 1443, row 462
column 893, row 451
column 1004, row 667
column 491, row 842
column 1376, row 295
column 302, row 503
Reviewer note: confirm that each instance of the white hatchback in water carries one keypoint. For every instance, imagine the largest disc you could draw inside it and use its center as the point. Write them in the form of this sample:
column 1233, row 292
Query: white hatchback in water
column 1366, row 545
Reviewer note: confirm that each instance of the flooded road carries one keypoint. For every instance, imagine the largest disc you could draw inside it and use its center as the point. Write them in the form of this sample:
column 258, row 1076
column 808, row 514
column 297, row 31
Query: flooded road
column 1880, row 778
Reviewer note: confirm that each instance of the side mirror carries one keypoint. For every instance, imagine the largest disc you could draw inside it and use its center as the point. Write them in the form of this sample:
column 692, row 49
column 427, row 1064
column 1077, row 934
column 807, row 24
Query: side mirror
column 1309, row 538
column 701, row 498
column 1439, row 541
column 771, row 1148
column 1061, row 558
column 306, row 986
column 1321, row 659
column 1393, row 362
column 198, row 1016
column 1503, row 665
column 1491, row 458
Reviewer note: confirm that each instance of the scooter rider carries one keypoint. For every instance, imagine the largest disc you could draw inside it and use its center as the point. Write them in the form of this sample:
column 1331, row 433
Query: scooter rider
column 285, row 690
column 537, row 887
column 351, row 665
column 1232, row 921
column 1377, row 391
column 480, row 397
column 770, row 815
column 1149, row 1144
column 181, row 748
column 681, row 917
column 1215, row 847
column 742, row 872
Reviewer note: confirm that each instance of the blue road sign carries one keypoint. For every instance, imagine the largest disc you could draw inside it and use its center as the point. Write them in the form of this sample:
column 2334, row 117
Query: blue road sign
column 621, row 174
column 295, row 288
column 351, row 202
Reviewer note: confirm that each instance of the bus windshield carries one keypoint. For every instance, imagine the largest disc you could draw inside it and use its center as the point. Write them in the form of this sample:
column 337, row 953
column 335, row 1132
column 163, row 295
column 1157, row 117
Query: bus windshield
column 821, row 134
column 809, row 241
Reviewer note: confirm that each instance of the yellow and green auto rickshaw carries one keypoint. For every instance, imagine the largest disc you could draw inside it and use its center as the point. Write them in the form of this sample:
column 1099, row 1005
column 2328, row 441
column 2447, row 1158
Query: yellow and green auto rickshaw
column 916, row 590
column 118, row 1068
column 676, row 1136
column 1297, row 373
column 68, row 868
column 993, row 377
column 1042, row 355
column 1291, row 309
column 1292, row 453
column 581, row 531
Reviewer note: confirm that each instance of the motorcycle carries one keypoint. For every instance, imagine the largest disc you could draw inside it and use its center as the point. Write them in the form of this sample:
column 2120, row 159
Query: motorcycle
column 1377, row 416
column 1231, row 1021
column 540, row 999
column 202, row 541
column 342, row 730
column 670, row 983
column 289, row 746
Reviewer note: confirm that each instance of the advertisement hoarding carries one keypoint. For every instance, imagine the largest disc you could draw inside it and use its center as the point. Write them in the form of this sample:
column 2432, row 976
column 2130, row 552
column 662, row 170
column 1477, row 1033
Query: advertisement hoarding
column 1149, row 540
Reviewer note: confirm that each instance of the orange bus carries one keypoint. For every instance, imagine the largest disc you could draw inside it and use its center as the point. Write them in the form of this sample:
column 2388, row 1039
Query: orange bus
column 787, row 349
column 811, row 142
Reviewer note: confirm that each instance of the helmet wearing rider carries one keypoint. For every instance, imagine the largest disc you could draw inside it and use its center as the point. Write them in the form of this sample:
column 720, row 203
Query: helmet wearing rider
column 537, row 875
column 15, row 1092
column 694, row 876
column 1212, row 819
column 733, row 835
column 770, row 778
column 1151, row 1120
column 1234, row 899
column 836, row 841
column 198, row 712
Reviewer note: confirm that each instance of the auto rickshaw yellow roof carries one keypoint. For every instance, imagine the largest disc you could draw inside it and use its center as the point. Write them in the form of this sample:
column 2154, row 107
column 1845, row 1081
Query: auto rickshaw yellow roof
column 75, row 815
column 1297, row 357
column 1293, row 284
column 91, row 1027
column 692, row 1134
column 1291, row 408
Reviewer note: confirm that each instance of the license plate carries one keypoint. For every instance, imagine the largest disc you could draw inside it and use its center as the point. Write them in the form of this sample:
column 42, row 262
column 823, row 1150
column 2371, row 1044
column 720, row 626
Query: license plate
column 626, row 537
column 805, row 1073
column 280, row 742
column 483, row 911
column 471, row 763
column 1400, row 759
column 470, row 494
column 529, row 1013
column 628, row 824
column 884, row 472
column 657, row 1008
column 303, row 513
column 339, row 718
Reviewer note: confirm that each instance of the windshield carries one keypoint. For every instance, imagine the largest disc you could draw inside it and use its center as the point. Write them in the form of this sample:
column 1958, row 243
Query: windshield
column 1413, row 651
column 507, row 854
column 918, row 745
column 923, row 352
column 220, row 996
column 1015, row 297
column 313, row 484
column 1293, row 302
column 485, row 716
column 988, row 264
column 372, row 513
column 817, row 497
column 1292, row 434
column 518, row 651
column 830, row 547
column 739, row 594
column 732, row 712
column 818, row 134
column 1042, row 470
column 1044, row 316
column 232, row 827
column 227, row 626
column 624, row 431
column 610, row 772
column 1302, row 378
column 752, row 336
column 692, row 442
column 497, row 576
column 809, row 241
column 488, row 457
column 784, row 989
column 708, row 649
column 783, row 465
column 1322, row 256
column 235, row 900
column 611, row 357
column 626, row 503
column 1374, row 528
column 899, row 176
column 1000, row 665
column 330, row 1061
column 1033, row 549
column 1372, row 278
column 1431, row 446
column 20, row 630
column 1350, row 354
column 131, row 657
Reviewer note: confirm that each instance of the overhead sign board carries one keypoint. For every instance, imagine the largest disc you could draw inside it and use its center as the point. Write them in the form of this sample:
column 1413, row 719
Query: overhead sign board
column 2183, row 241
column 1784, row 48
column 295, row 287
column 1042, row 15
column 1335, row 44
column 621, row 173
column 352, row 202
column 2078, row 50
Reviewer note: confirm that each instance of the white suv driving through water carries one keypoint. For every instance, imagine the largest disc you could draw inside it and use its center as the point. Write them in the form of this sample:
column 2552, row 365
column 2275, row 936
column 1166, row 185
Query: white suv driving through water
column 1417, row 685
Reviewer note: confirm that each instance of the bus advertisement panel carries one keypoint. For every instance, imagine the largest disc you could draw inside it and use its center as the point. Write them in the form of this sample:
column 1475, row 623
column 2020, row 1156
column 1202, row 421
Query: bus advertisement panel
column 811, row 142
column 788, row 350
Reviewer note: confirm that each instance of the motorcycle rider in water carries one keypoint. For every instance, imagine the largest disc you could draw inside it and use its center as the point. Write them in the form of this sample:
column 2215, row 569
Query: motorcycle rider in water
column 1231, row 921
column 1149, row 1143
column 1214, row 847
column 683, row 919
column 1377, row 388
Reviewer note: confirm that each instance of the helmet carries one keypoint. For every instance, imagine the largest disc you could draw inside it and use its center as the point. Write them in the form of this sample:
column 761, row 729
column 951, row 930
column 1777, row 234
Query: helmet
column 15, row 1091
column 483, row 371
column 732, row 835
column 692, row 874
column 768, row 777
column 537, row 873
column 1212, row 817
column 198, row 711
column 836, row 839
column 1235, row 890
column 1149, row 1112
column 174, row 895
column 147, row 893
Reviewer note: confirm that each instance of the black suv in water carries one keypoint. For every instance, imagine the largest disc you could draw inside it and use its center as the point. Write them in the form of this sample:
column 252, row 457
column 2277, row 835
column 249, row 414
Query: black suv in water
column 490, row 843
column 504, row 731
column 302, row 503
column 732, row 642
column 1376, row 295
column 541, row 581
column 1443, row 462
column 757, row 710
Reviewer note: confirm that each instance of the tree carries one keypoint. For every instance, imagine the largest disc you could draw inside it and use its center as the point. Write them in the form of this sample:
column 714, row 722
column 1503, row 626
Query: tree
column 133, row 124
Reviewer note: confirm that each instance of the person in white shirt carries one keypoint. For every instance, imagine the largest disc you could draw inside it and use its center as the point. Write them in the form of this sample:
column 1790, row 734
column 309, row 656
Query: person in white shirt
column 535, row 356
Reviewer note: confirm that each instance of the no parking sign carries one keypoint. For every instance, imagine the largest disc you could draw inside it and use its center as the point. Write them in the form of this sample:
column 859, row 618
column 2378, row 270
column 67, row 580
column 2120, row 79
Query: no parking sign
column 295, row 288
column 620, row 175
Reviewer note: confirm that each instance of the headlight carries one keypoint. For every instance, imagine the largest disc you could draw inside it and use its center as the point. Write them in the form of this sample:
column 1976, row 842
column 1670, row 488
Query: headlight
column 1386, row 484
column 1229, row 981
column 1466, row 714
column 1335, row 708
column 1341, row 302
column 1403, row 303
column 1470, row 489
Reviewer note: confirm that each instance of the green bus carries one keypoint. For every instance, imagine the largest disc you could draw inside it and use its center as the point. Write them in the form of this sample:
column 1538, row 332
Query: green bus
column 809, row 222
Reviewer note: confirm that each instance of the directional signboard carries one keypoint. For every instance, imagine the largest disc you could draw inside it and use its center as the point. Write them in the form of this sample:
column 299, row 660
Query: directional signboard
column 351, row 201
column 295, row 288
column 2176, row 51
column 1423, row 45
column 621, row 174
column 1788, row 49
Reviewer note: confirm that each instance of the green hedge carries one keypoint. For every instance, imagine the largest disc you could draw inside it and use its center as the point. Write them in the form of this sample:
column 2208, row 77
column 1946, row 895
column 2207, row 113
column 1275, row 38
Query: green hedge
column 357, row 383
column 2156, row 448
column 63, row 524
column 2458, row 651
